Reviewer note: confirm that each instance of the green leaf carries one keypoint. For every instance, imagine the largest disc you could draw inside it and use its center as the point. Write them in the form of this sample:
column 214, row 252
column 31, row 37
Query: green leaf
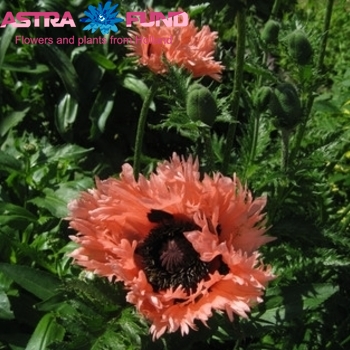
column 68, row 151
column 9, row 163
column 195, row 10
column 13, row 213
column 65, row 115
column 55, row 204
column 6, row 38
column 58, row 301
column 24, row 67
column 56, row 201
column 64, row 68
column 137, row 85
column 257, row 70
column 12, row 120
column 101, row 110
column 5, row 308
column 284, row 304
column 46, row 332
column 102, row 60
column 40, row 283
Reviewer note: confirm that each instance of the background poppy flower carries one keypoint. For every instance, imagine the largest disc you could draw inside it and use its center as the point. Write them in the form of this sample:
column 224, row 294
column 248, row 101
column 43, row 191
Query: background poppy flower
column 187, row 47
column 182, row 246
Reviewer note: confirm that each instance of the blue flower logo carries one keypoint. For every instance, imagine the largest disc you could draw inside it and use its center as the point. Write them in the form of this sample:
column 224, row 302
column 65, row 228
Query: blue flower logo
column 102, row 17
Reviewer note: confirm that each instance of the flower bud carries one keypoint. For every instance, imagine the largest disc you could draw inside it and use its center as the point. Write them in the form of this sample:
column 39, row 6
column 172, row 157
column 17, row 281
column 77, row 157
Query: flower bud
column 300, row 48
column 201, row 105
column 270, row 32
column 30, row 148
column 285, row 106
column 262, row 98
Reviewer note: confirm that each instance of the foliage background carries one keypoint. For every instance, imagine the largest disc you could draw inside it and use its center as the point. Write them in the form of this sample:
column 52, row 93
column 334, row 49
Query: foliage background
column 69, row 113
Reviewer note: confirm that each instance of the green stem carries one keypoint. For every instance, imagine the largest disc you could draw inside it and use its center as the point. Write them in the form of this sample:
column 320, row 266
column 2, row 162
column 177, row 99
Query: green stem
column 326, row 26
column 141, row 128
column 208, row 150
column 255, row 138
column 237, row 85
column 285, row 149
column 311, row 96
column 275, row 8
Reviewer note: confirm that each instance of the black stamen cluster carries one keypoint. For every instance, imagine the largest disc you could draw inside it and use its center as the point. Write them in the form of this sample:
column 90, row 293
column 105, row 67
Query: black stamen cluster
column 169, row 259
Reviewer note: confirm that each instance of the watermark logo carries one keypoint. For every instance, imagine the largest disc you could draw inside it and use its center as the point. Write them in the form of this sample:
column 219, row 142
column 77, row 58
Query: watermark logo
column 50, row 19
column 174, row 19
column 102, row 17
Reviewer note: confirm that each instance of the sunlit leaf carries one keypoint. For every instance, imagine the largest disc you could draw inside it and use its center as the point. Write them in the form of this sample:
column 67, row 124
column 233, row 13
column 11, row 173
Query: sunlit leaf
column 5, row 308
column 12, row 120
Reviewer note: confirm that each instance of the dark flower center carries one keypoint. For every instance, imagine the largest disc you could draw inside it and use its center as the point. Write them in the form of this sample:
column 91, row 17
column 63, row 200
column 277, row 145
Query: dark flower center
column 168, row 258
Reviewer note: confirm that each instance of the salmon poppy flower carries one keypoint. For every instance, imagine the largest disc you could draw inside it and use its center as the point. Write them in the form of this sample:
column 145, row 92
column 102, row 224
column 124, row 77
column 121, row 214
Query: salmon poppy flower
column 187, row 47
column 183, row 246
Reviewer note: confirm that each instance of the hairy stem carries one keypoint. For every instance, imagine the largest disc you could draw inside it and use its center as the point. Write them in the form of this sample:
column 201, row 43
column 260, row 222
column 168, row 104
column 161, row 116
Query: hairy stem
column 285, row 149
column 208, row 150
column 141, row 128
column 326, row 26
column 237, row 85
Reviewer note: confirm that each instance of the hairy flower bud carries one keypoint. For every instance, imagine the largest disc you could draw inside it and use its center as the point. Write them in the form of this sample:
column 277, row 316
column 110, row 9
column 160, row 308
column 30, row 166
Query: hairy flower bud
column 300, row 48
column 262, row 98
column 285, row 106
column 270, row 32
column 201, row 105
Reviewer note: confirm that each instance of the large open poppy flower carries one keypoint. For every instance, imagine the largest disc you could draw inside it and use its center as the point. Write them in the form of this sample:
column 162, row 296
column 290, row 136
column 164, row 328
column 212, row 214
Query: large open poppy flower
column 183, row 246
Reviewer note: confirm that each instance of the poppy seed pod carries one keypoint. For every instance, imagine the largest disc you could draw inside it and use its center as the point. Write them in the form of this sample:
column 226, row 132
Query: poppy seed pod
column 270, row 32
column 285, row 106
column 201, row 105
column 300, row 48
column 262, row 98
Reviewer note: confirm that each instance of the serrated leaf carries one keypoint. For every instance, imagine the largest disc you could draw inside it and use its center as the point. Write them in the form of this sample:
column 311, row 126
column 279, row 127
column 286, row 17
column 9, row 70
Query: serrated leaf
column 195, row 10
column 284, row 304
column 46, row 332
column 5, row 307
column 257, row 70
column 137, row 85
column 40, row 283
